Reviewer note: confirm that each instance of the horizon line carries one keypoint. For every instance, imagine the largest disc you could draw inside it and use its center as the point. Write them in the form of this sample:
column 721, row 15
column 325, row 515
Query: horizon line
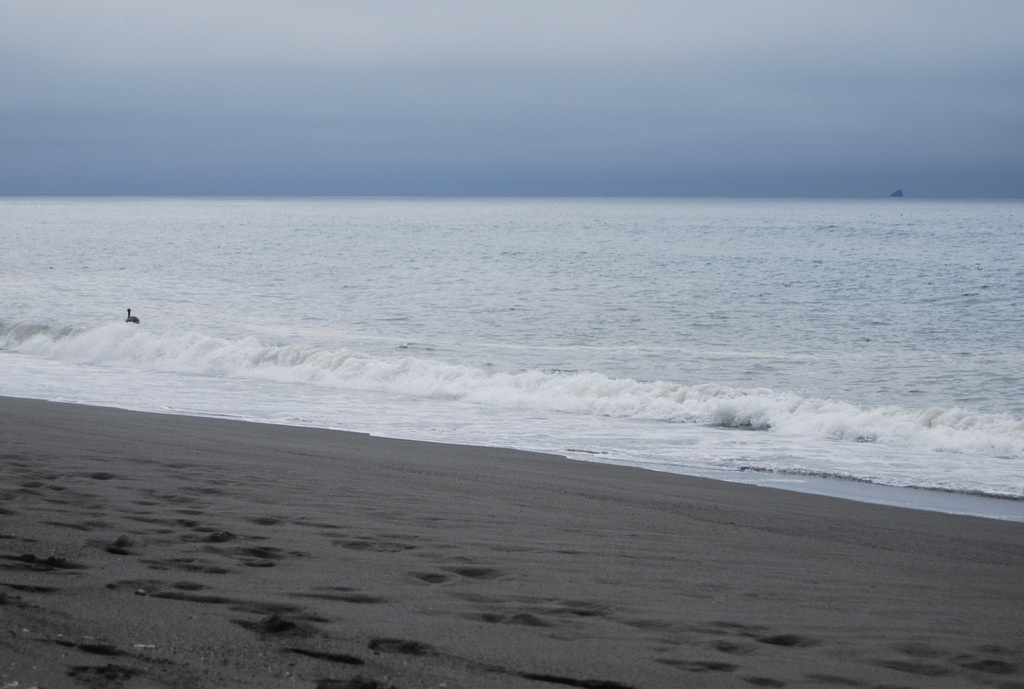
column 171, row 195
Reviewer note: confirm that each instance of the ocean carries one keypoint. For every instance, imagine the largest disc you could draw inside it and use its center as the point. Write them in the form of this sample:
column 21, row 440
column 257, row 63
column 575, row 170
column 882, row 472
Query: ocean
column 871, row 349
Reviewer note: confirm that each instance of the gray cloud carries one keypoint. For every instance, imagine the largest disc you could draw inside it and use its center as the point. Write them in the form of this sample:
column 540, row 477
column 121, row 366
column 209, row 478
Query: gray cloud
column 303, row 96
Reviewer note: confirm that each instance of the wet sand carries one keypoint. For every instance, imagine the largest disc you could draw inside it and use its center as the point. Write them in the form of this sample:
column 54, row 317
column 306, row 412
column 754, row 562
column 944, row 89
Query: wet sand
column 144, row 550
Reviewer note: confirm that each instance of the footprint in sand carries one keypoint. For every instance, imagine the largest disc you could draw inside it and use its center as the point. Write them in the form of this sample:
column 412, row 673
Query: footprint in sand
column 700, row 665
column 573, row 682
column 522, row 618
column 330, row 657
column 121, row 546
column 277, row 625
column 788, row 641
column 431, row 577
column 474, row 572
column 402, row 646
column 101, row 676
column 374, row 545
column 49, row 564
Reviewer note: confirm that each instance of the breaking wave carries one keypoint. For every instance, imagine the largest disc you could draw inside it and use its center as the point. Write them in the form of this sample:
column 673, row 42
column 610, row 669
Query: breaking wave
column 948, row 430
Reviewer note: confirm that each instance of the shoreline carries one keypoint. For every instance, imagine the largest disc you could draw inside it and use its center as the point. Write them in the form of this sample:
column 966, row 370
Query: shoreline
column 909, row 497
column 153, row 550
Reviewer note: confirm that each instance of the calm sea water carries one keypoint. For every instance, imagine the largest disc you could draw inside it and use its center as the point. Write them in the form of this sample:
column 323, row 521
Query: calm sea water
column 836, row 345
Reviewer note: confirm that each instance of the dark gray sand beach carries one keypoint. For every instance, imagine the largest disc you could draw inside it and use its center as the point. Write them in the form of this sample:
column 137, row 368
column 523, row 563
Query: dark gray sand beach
column 144, row 550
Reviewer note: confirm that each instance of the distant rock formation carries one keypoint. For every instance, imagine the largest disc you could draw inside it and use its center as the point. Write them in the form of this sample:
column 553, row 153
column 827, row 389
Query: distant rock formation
column 898, row 193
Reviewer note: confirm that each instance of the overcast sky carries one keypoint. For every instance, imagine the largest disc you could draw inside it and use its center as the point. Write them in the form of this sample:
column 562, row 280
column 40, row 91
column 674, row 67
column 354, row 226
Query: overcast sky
column 532, row 97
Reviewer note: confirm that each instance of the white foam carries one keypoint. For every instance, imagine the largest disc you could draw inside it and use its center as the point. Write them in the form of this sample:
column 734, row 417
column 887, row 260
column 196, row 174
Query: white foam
column 939, row 430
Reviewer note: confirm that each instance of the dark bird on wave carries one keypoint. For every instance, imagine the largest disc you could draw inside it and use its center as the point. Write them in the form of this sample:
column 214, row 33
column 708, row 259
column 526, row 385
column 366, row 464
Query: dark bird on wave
column 131, row 318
